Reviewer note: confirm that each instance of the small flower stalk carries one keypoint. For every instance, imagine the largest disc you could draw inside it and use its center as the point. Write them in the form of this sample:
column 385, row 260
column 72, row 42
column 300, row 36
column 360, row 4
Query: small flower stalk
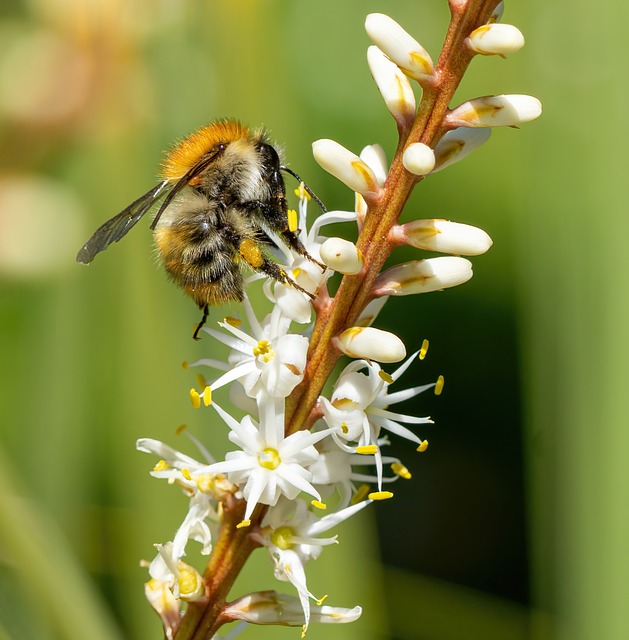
column 302, row 458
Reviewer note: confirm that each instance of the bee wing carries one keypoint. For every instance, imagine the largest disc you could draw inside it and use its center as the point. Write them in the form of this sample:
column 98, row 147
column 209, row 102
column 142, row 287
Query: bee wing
column 116, row 228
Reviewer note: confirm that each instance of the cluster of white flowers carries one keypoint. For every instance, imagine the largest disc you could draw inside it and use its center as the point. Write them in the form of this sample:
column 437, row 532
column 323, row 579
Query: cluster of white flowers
column 295, row 487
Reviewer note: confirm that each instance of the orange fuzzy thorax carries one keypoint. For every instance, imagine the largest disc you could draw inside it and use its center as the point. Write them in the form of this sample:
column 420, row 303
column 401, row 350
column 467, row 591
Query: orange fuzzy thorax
column 191, row 149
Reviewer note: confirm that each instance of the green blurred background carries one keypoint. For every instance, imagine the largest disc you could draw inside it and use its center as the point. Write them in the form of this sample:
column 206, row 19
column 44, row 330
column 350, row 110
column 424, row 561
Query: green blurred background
column 515, row 524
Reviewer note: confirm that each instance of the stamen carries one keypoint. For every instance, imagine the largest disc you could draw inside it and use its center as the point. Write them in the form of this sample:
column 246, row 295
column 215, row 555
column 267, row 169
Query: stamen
column 321, row 600
column 367, row 450
column 400, row 470
column 244, row 523
column 263, row 348
column 292, row 220
column 423, row 350
column 318, row 505
column 303, row 630
column 202, row 382
column 184, row 365
column 195, row 398
column 423, row 446
column 360, row 494
column 385, row 376
column 180, row 429
column 439, row 385
column 344, row 427
column 234, row 322
column 207, row 396
column 269, row 459
column 186, row 474
column 162, row 465
column 283, row 538
column 380, row 495
column 301, row 192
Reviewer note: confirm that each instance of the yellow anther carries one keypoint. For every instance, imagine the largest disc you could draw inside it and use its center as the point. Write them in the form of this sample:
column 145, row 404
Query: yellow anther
column 303, row 630
column 301, row 192
column 439, row 385
column 380, row 495
column 292, row 220
column 386, row 377
column 263, row 348
column 367, row 450
column 186, row 474
column 297, row 272
column 360, row 494
column 423, row 446
column 243, row 524
column 184, row 365
column 318, row 505
column 401, row 470
column 201, row 381
column 205, row 482
column 269, row 459
column 162, row 465
column 207, row 396
column 195, row 398
column 234, row 322
column 344, row 428
column 180, row 429
column 321, row 600
column 423, row 350
column 282, row 538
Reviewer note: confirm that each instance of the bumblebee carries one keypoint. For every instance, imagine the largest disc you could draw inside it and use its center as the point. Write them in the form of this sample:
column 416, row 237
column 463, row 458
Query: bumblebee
column 223, row 197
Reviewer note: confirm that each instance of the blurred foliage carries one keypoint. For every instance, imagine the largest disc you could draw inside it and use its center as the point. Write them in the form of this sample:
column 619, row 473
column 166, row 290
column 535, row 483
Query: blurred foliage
column 515, row 523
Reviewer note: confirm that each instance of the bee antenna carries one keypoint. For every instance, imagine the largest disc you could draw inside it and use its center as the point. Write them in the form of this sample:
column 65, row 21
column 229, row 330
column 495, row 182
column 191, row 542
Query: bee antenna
column 309, row 191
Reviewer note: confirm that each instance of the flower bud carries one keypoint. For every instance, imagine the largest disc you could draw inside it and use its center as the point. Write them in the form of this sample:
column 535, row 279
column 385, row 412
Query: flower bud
column 393, row 85
column 495, row 111
column 371, row 344
column 418, row 158
column 444, row 236
column 457, row 144
column 345, row 166
column 168, row 608
column 422, row 276
column 495, row 39
column 375, row 158
column 400, row 47
column 342, row 256
column 270, row 607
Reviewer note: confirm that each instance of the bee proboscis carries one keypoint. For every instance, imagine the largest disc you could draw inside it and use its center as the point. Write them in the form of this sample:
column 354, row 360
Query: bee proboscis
column 223, row 195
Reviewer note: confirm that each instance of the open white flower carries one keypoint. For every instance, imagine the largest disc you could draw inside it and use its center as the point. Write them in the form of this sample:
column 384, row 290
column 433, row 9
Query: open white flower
column 269, row 465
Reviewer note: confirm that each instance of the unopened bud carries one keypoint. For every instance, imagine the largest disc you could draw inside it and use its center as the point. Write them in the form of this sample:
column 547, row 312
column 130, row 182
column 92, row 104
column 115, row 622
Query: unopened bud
column 168, row 608
column 444, row 236
column 495, row 111
column 400, row 47
column 495, row 39
column 342, row 256
column 371, row 344
column 418, row 158
column 393, row 85
column 375, row 158
column 345, row 166
column 422, row 276
column 457, row 144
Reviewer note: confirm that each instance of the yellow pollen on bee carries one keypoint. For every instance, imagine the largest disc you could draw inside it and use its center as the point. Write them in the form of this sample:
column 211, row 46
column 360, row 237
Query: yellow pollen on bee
column 439, row 385
column 380, row 495
column 269, row 459
column 301, row 192
column 201, row 381
column 318, row 505
column 423, row 350
column 401, row 470
column 181, row 428
column 243, row 524
column 264, row 349
column 250, row 251
column 423, row 446
column 234, row 322
column 195, row 398
column 207, row 396
column 292, row 220
column 367, row 449
column 186, row 474
column 385, row 376
column 162, row 465
column 282, row 538
column 361, row 494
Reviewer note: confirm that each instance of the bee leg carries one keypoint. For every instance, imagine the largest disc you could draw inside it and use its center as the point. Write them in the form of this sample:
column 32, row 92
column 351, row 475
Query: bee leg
column 293, row 241
column 206, row 312
column 252, row 255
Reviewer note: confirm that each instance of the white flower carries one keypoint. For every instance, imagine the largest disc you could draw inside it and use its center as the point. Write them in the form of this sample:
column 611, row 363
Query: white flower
column 269, row 361
column 291, row 539
column 269, row 465
column 183, row 580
